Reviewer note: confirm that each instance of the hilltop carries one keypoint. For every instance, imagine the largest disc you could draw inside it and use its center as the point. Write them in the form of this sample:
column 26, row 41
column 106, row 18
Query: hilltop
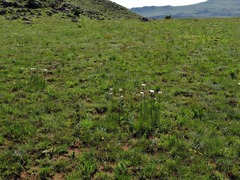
column 97, row 9
column 211, row 8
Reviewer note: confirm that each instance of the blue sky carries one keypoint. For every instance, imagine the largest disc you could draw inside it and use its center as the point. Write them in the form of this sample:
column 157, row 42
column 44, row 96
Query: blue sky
column 140, row 3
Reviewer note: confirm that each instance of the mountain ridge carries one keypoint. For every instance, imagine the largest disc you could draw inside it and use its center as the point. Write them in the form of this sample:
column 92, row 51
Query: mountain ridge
column 210, row 8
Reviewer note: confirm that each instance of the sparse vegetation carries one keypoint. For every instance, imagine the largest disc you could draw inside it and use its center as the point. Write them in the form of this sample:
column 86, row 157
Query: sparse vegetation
column 168, row 17
column 119, row 99
column 100, row 9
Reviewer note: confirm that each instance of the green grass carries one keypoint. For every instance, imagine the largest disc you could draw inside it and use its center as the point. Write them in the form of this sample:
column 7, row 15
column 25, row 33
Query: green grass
column 73, row 122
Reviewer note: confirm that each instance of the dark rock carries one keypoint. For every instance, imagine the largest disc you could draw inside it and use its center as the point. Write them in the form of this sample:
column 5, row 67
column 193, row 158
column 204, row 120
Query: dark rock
column 144, row 19
column 49, row 13
column 65, row 9
column 75, row 19
column 70, row 16
column 7, row 3
column 17, row 5
column 100, row 18
column 3, row 12
column 21, row 10
column 54, row 11
column 14, row 17
column 77, row 11
column 101, row 110
column 20, row 14
column 28, row 22
column 32, row 13
column 10, row 10
column 34, row 4
column 26, row 19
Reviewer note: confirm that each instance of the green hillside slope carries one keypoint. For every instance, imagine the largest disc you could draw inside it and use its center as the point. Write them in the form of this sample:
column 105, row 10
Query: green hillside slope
column 99, row 9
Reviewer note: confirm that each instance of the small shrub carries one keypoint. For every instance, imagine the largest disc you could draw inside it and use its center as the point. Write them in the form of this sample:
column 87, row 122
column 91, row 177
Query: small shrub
column 168, row 17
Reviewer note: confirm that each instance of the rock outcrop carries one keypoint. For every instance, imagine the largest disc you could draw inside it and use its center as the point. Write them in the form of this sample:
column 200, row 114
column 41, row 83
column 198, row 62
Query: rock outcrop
column 95, row 9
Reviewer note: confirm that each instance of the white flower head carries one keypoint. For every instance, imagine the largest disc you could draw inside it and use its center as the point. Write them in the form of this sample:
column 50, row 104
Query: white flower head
column 238, row 83
column 111, row 89
column 110, row 93
column 33, row 69
column 121, row 97
column 120, row 89
column 151, row 91
column 143, row 85
column 142, row 93
column 45, row 70
column 159, row 92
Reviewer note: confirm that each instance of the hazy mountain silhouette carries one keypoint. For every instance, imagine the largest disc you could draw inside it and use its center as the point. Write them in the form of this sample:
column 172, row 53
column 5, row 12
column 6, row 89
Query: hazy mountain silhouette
column 211, row 8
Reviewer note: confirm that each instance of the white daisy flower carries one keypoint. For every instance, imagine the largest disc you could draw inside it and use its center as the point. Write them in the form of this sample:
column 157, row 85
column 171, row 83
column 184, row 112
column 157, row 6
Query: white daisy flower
column 151, row 91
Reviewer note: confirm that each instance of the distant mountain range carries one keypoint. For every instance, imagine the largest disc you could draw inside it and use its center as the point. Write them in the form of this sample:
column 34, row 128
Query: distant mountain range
column 211, row 8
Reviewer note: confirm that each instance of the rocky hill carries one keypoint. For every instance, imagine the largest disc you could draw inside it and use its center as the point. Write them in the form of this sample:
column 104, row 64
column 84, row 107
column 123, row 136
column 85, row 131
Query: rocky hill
column 97, row 9
column 210, row 8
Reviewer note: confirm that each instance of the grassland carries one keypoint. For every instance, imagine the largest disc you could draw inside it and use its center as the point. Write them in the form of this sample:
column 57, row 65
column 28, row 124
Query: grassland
column 75, row 100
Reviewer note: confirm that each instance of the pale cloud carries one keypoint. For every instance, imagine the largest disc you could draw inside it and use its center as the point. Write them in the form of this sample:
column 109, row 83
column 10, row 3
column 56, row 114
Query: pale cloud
column 141, row 3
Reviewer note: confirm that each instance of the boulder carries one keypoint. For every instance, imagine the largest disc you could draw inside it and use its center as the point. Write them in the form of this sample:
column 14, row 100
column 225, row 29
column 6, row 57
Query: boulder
column 28, row 22
column 49, row 13
column 14, row 17
column 75, row 19
column 34, row 4
column 144, row 19
column 7, row 3
column 26, row 19
column 18, row 5
column 3, row 12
